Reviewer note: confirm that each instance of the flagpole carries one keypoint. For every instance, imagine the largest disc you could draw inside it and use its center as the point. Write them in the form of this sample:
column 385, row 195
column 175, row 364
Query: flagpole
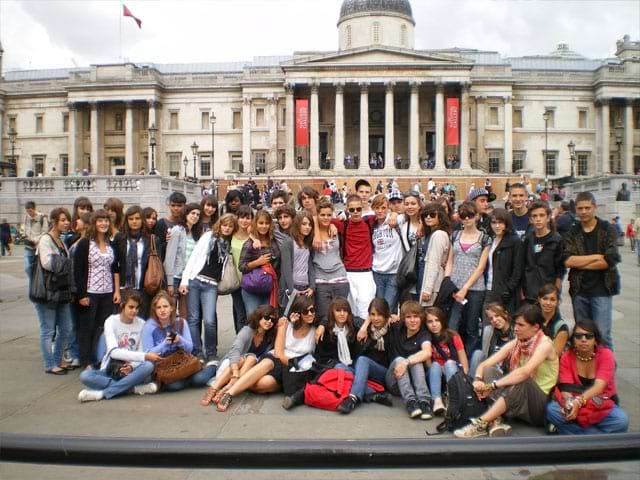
column 120, row 28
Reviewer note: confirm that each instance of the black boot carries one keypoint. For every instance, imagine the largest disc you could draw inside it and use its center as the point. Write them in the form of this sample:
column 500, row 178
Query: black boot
column 348, row 405
column 297, row 398
column 383, row 398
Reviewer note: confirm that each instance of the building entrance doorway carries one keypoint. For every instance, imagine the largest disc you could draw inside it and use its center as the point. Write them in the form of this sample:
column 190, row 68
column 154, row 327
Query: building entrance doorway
column 376, row 152
column 117, row 165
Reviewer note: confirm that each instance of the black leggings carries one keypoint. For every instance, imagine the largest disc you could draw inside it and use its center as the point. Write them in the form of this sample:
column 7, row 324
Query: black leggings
column 91, row 325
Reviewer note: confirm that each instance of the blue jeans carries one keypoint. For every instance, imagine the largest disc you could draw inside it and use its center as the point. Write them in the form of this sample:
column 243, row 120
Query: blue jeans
column 387, row 288
column 253, row 301
column 466, row 319
column 410, row 386
column 54, row 320
column 203, row 297
column 72, row 340
column 99, row 380
column 198, row 379
column 616, row 422
column 477, row 358
column 598, row 309
column 366, row 369
column 435, row 376
column 29, row 259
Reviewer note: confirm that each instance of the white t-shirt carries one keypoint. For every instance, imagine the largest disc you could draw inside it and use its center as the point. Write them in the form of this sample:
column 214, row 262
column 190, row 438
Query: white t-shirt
column 387, row 248
column 123, row 340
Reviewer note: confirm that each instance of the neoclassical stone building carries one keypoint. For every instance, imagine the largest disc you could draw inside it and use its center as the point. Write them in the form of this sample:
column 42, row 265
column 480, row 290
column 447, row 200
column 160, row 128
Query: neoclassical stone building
column 377, row 106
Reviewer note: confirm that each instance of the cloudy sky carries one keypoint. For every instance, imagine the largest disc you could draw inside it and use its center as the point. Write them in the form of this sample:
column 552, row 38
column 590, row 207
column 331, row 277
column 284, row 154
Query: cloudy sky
column 52, row 33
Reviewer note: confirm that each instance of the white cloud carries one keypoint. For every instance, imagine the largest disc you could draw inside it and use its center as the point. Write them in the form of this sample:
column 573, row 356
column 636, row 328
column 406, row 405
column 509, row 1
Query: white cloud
column 46, row 34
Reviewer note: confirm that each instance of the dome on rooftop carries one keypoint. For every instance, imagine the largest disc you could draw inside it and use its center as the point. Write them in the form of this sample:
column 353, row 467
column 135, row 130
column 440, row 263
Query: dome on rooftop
column 358, row 7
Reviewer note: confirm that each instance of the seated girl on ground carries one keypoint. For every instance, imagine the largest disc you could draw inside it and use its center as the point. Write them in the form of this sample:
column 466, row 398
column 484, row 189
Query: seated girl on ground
column 494, row 336
column 163, row 334
column 447, row 355
column 288, row 366
column 249, row 346
column 122, row 334
column 337, row 345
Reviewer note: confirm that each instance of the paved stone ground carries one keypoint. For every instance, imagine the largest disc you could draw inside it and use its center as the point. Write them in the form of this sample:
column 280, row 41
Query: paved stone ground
column 32, row 402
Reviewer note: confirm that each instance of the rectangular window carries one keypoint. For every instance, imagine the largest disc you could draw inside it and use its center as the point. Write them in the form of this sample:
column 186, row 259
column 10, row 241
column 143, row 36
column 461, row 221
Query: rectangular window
column 495, row 160
column 551, row 122
column 237, row 120
column 519, row 157
column 64, row 162
column 236, row 162
column 551, row 163
column 173, row 159
column 65, row 122
column 173, row 120
column 204, row 120
column 582, row 119
column 282, row 159
column 260, row 163
column 12, row 122
column 493, row 116
column 39, row 123
column 205, row 164
column 636, row 119
column 118, row 123
column 517, row 118
column 283, row 117
column 582, row 166
column 38, row 165
column 259, row 117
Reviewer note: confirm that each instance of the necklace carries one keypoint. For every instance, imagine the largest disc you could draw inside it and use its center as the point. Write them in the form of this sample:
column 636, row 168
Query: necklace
column 588, row 358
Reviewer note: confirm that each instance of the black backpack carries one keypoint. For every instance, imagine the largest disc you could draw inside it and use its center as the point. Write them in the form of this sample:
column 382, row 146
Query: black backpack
column 463, row 403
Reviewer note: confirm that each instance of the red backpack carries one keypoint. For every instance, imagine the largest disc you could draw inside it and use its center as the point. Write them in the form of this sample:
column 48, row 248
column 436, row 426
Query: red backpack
column 331, row 387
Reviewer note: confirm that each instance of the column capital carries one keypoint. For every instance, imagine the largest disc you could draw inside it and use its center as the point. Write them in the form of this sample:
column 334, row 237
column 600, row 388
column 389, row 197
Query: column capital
column 72, row 106
column 339, row 87
column 93, row 104
column 127, row 103
column 364, row 87
column 439, row 87
column 506, row 99
column 314, row 88
column 289, row 88
column 389, row 86
column 466, row 86
column 602, row 101
column 415, row 86
column 480, row 98
column 153, row 103
column 246, row 100
column 273, row 99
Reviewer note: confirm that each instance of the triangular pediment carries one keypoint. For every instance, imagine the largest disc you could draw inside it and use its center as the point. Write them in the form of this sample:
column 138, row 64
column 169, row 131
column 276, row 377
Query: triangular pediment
column 376, row 56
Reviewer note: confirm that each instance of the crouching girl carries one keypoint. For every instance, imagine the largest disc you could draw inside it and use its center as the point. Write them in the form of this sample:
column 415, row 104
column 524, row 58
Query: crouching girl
column 125, row 366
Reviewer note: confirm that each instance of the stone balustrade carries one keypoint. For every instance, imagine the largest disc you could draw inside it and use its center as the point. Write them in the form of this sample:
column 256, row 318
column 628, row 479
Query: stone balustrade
column 51, row 192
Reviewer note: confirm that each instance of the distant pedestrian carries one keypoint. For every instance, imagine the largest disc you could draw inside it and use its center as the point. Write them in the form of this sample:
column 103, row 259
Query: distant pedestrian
column 5, row 237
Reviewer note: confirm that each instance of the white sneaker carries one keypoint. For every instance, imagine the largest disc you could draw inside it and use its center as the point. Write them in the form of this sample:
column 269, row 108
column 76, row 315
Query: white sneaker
column 438, row 406
column 87, row 395
column 145, row 388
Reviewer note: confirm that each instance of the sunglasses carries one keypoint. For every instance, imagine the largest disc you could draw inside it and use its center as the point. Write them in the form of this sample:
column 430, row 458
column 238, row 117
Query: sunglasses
column 309, row 311
column 431, row 215
column 355, row 209
column 269, row 319
column 580, row 336
column 465, row 216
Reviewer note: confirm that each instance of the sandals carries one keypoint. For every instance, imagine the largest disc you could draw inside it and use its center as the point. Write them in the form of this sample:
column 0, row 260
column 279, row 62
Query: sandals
column 60, row 371
column 209, row 396
column 220, row 393
column 224, row 402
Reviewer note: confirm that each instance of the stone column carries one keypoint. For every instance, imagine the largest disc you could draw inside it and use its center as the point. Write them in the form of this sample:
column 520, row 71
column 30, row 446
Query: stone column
column 364, row 124
column 153, row 120
column 440, row 121
column 389, row 139
column 290, row 159
column 128, row 140
column 464, row 127
column 95, row 140
column 339, row 128
column 272, row 160
column 1, row 135
column 72, row 149
column 508, row 134
column 604, row 136
column 414, row 126
column 314, row 131
column 480, row 121
column 628, row 138
column 246, row 135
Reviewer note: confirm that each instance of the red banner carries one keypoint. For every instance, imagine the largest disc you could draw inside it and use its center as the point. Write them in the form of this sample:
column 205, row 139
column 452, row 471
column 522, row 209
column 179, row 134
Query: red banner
column 453, row 121
column 302, row 122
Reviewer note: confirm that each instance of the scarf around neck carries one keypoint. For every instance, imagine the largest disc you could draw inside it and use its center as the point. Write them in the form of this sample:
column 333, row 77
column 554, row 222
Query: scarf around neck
column 132, row 259
column 344, row 355
column 378, row 336
column 524, row 349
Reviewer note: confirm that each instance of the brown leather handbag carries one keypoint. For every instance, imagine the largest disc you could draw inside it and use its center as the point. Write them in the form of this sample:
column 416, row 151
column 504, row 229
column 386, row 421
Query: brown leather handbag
column 177, row 366
column 154, row 278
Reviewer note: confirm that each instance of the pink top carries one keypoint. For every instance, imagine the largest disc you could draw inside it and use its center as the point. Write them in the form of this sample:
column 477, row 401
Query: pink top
column 466, row 246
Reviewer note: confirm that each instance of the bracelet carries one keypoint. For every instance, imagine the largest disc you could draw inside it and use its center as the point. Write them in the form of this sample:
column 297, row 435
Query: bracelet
column 582, row 400
column 494, row 385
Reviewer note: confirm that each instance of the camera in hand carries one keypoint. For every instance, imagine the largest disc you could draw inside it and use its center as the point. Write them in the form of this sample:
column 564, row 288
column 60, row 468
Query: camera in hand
column 171, row 335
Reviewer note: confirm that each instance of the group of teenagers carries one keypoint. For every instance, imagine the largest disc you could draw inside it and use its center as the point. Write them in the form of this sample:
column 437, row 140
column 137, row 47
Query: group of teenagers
column 401, row 294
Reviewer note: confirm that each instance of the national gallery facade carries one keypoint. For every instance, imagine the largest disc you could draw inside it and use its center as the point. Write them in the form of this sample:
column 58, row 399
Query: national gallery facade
column 375, row 106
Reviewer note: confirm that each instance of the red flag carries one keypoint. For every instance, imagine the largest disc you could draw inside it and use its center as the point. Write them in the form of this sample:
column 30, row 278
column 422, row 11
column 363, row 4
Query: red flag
column 127, row 13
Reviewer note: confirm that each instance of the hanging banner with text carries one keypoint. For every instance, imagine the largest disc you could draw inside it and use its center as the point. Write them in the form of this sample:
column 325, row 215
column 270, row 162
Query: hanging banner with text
column 453, row 121
column 302, row 122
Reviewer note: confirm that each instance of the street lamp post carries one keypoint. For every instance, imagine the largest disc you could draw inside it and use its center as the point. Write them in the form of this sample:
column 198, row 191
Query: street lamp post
column 572, row 155
column 12, row 138
column 152, row 144
column 619, row 135
column 194, row 150
column 545, row 117
column 185, row 162
column 212, row 120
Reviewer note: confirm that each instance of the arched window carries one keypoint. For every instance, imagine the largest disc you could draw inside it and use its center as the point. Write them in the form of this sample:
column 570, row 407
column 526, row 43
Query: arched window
column 403, row 35
column 348, row 35
column 376, row 32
